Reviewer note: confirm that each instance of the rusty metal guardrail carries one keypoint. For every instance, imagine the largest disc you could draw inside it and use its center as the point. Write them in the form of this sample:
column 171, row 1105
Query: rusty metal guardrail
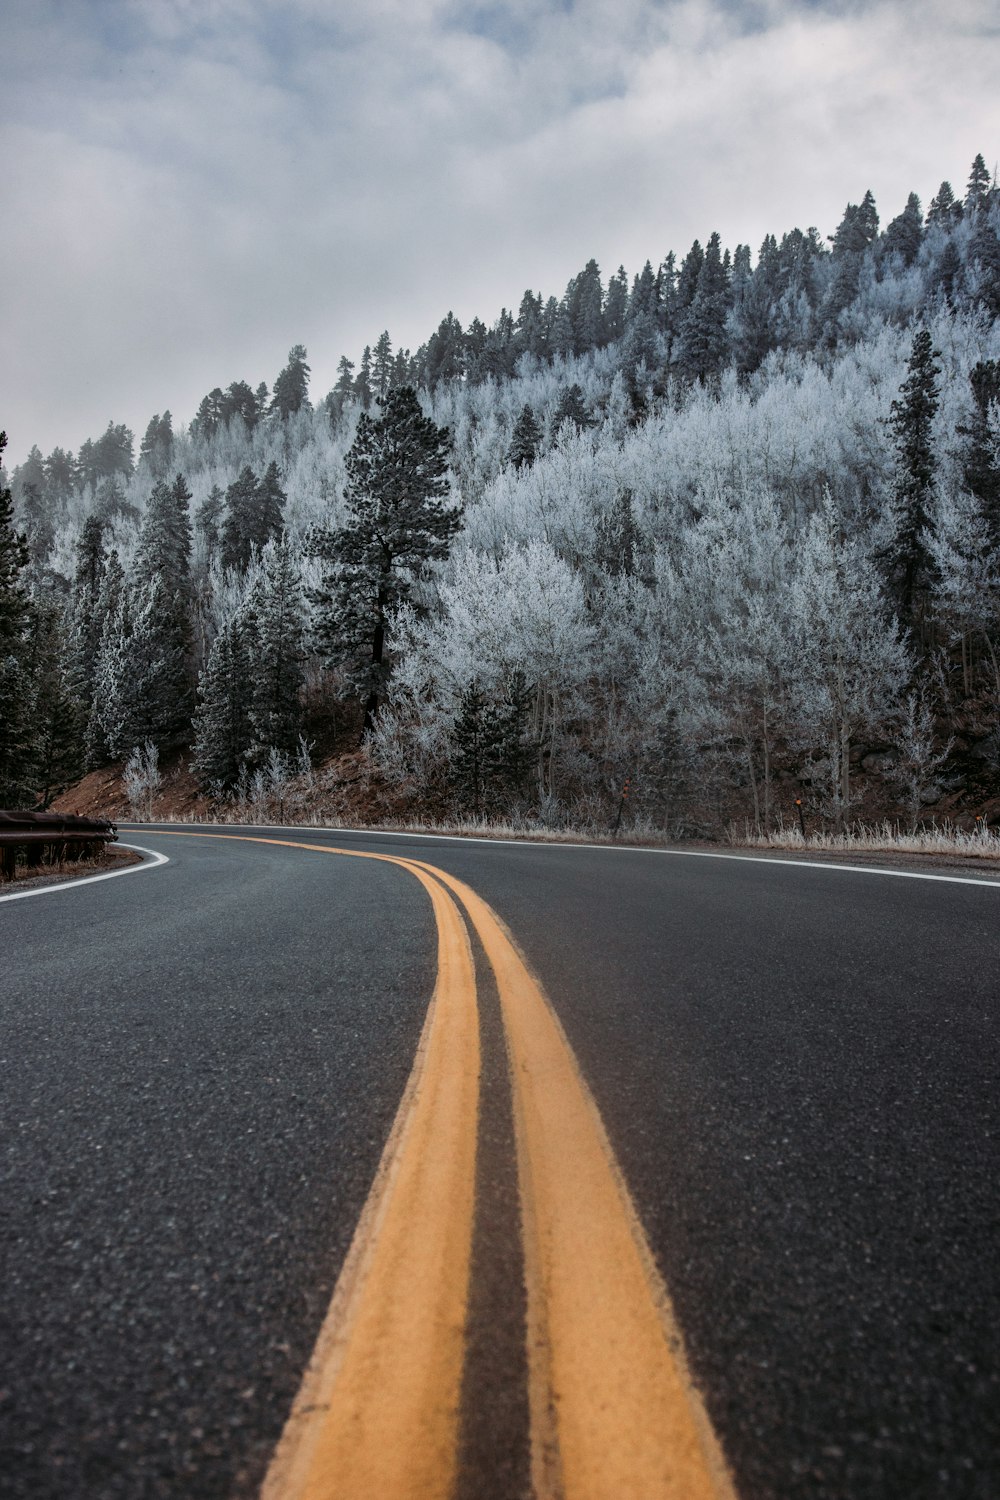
column 64, row 835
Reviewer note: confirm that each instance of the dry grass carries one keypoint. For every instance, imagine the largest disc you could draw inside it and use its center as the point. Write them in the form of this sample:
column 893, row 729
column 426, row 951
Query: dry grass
column 881, row 838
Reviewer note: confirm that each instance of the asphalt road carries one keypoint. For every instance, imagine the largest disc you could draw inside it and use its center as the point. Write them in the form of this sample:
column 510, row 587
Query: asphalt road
column 797, row 1069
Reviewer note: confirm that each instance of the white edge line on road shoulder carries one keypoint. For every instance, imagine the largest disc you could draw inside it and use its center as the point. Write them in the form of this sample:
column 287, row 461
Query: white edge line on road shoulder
column 458, row 838
column 155, row 858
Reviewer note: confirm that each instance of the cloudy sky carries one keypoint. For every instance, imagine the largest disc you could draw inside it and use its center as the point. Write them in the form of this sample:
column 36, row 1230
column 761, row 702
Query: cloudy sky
column 192, row 186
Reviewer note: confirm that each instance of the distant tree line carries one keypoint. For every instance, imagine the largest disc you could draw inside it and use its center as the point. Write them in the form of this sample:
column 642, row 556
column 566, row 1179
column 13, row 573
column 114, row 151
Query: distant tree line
column 730, row 528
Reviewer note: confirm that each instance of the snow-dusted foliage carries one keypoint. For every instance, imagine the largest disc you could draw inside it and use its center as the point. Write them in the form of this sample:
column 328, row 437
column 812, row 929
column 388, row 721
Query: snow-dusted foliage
column 731, row 531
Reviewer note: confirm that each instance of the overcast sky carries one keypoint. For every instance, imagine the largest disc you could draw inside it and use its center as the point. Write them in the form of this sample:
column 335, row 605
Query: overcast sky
column 190, row 187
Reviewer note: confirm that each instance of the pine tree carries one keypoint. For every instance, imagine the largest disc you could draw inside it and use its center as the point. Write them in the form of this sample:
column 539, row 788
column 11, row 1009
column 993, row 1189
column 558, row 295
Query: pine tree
column 269, row 519
column 239, row 527
column 616, row 306
column 343, row 390
column 16, row 685
column 524, row 440
column 86, row 620
column 398, row 522
column 703, row 343
column 687, row 278
column 157, row 446
column 160, row 645
column 58, row 714
column 572, row 409
column 275, row 710
column 208, row 517
column 982, row 460
column 905, row 234
column 977, row 190
column 642, row 301
column 490, row 754
column 222, row 725
column 586, row 308
column 912, row 425
column 382, row 366
column 469, row 738
column 113, row 726
column 291, row 388
column 944, row 210
column 363, row 384
column 528, row 330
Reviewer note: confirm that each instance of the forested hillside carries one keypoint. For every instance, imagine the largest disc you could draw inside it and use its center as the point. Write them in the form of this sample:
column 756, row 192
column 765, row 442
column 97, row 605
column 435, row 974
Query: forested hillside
column 727, row 529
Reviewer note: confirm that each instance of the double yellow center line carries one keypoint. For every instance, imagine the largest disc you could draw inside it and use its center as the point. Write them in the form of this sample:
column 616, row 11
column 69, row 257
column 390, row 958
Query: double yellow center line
column 614, row 1412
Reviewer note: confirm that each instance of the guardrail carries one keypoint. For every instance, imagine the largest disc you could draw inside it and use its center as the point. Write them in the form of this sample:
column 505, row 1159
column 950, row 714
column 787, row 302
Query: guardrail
column 64, row 835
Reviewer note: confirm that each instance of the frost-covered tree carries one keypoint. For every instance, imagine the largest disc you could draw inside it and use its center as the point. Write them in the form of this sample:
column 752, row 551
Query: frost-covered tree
column 254, row 515
column 291, row 388
column 223, row 731
column 16, row 685
column 912, row 426
column 525, row 439
column 848, row 662
column 490, row 754
column 275, row 709
column 398, row 521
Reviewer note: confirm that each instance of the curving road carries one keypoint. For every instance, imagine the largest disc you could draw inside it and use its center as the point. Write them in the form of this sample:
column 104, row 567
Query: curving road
column 796, row 1068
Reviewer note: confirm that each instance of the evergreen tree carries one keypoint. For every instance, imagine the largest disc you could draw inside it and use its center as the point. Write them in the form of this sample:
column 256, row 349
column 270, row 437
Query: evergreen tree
column 291, row 388
column 382, row 366
column 561, row 337
column 687, row 279
column 275, row 711
column 157, row 446
column 240, row 401
column 239, row 529
column 586, row 309
column 703, row 343
column 165, row 539
column 208, row 417
column 977, row 191
column 16, row 686
column 60, row 473
column 642, row 303
column 208, row 517
column 343, row 390
column 445, row 358
column 905, row 234
column 982, row 460
column 616, row 306
column 269, row 519
column 112, row 454
column 528, row 330
column 944, row 209
column 86, row 620
column 572, row 409
column 113, row 723
column 524, row 440
column 983, row 276
column 223, row 731
column 58, row 714
column 398, row 522
column 912, row 423
column 490, row 754
column 363, row 384
column 469, row 739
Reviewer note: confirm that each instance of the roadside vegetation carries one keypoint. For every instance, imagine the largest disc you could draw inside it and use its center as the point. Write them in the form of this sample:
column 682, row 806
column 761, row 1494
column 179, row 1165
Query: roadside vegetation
column 668, row 555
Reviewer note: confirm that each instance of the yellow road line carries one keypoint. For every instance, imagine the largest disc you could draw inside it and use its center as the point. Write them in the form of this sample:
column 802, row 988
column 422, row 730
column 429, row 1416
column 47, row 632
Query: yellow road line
column 376, row 1417
column 614, row 1411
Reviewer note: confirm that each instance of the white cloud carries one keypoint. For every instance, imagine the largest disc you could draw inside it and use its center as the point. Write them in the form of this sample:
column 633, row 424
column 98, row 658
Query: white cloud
column 192, row 187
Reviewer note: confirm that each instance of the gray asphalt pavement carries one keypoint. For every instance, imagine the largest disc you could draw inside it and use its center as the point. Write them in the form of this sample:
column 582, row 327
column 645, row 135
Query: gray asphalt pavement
column 797, row 1069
